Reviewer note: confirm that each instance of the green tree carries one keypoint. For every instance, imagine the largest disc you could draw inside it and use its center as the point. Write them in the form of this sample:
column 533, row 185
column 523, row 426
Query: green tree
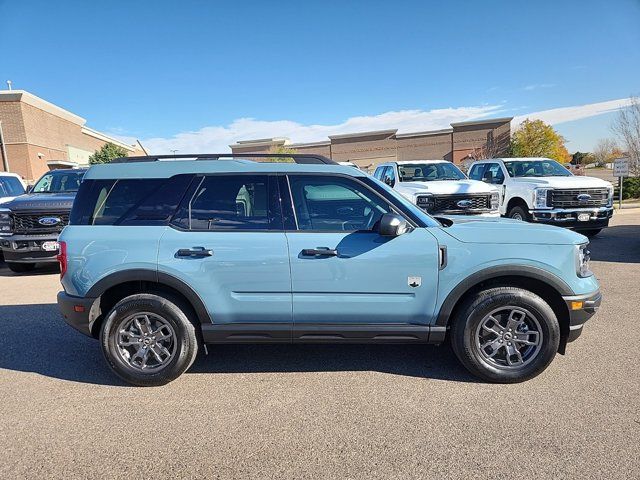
column 534, row 138
column 282, row 150
column 582, row 158
column 107, row 152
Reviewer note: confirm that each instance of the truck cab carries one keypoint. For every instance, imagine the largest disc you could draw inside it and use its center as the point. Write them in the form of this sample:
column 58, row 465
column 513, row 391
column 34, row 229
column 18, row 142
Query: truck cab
column 543, row 191
column 439, row 187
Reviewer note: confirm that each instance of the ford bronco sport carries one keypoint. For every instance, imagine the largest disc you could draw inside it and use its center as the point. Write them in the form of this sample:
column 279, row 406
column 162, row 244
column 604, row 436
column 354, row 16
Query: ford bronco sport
column 164, row 255
column 543, row 191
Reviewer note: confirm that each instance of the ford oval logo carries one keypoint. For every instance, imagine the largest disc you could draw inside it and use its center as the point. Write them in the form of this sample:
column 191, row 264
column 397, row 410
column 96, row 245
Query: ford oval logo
column 49, row 221
column 584, row 197
column 464, row 203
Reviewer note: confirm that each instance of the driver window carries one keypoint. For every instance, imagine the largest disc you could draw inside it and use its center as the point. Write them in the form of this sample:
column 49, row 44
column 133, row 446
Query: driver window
column 335, row 204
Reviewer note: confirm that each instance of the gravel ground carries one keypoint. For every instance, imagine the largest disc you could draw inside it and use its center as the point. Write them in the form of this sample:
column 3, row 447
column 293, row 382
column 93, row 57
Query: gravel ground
column 323, row 411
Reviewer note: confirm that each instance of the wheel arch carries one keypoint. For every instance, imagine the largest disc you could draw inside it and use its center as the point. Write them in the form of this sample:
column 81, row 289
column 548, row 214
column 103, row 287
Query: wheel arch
column 516, row 201
column 546, row 285
column 116, row 286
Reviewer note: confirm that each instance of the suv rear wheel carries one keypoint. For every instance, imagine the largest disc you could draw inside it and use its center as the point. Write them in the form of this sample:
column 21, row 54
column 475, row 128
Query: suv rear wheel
column 505, row 335
column 148, row 340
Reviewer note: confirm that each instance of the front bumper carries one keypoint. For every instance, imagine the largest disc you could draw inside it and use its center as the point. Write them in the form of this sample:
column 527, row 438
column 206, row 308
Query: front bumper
column 28, row 248
column 581, row 308
column 568, row 217
column 79, row 312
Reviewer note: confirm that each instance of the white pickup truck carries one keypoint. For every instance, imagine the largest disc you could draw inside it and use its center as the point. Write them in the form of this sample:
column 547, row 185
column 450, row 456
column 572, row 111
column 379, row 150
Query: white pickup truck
column 542, row 190
column 439, row 187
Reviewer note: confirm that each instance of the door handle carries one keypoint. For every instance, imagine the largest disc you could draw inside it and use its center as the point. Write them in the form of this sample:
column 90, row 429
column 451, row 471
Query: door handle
column 194, row 252
column 324, row 251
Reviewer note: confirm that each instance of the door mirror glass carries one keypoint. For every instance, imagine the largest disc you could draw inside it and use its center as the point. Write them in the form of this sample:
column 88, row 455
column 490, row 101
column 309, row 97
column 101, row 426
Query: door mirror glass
column 392, row 225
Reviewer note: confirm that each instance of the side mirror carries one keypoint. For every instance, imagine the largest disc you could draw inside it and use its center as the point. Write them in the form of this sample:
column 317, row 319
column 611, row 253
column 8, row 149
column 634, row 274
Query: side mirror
column 29, row 188
column 388, row 181
column 392, row 225
column 488, row 177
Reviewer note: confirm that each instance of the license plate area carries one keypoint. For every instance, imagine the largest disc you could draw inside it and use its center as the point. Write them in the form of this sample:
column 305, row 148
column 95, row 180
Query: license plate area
column 50, row 246
column 584, row 217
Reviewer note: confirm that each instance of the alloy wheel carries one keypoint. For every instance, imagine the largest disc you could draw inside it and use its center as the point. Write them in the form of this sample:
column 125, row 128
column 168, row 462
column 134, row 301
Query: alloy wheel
column 509, row 337
column 146, row 342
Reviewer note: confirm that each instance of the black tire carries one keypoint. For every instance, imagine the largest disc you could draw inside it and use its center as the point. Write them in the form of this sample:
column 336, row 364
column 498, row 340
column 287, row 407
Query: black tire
column 21, row 267
column 590, row 233
column 518, row 213
column 474, row 312
column 184, row 343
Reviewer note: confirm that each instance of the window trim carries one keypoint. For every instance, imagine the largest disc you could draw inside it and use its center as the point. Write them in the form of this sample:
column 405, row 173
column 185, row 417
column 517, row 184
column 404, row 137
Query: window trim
column 197, row 181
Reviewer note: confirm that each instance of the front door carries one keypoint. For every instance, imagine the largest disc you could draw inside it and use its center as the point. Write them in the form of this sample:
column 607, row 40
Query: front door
column 228, row 244
column 342, row 271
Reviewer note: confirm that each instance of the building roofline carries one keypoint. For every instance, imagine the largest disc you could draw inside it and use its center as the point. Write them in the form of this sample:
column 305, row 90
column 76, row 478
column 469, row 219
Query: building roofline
column 321, row 143
column 37, row 102
column 106, row 138
column 389, row 132
column 261, row 142
column 482, row 122
column 425, row 133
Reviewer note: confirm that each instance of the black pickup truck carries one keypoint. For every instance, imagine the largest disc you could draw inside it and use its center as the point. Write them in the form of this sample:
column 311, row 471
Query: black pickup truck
column 30, row 223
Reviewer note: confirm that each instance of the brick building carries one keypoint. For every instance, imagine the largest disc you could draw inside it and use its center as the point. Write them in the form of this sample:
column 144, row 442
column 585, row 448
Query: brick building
column 37, row 136
column 464, row 140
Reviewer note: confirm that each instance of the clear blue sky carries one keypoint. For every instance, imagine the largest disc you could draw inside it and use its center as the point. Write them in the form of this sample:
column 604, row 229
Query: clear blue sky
column 157, row 68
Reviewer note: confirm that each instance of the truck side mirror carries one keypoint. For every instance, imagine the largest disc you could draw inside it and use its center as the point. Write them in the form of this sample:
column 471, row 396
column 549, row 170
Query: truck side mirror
column 392, row 225
column 487, row 177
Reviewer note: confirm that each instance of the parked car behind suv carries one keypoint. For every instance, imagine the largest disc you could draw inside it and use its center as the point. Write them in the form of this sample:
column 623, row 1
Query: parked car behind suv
column 541, row 190
column 161, row 257
column 439, row 187
column 30, row 223
column 11, row 185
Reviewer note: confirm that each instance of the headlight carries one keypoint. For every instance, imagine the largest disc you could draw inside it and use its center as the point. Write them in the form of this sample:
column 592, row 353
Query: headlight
column 5, row 223
column 495, row 200
column 425, row 201
column 610, row 196
column 583, row 256
column 540, row 197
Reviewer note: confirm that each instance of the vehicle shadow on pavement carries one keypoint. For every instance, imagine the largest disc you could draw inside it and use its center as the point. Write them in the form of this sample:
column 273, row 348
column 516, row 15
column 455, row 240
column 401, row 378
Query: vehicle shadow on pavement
column 422, row 361
column 41, row 269
column 34, row 338
column 620, row 243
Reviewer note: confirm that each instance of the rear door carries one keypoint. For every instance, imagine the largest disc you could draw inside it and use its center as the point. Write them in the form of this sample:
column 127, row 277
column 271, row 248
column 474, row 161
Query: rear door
column 227, row 242
column 363, row 278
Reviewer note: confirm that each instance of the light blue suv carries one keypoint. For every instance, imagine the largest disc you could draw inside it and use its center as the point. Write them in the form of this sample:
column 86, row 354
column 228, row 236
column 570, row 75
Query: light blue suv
column 164, row 255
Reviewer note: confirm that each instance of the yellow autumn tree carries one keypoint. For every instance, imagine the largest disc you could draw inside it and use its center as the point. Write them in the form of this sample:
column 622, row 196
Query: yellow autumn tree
column 534, row 138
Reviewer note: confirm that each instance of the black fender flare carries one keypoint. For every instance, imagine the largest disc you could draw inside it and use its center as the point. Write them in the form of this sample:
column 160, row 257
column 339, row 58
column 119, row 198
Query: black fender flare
column 153, row 276
column 525, row 271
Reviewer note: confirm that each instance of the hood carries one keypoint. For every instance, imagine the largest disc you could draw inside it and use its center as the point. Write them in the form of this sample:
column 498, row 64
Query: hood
column 564, row 182
column 472, row 229
column 41, row 202
column 445, row 187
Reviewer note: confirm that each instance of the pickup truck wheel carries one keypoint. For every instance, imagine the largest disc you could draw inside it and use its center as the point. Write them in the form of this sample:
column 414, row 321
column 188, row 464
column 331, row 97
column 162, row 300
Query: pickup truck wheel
column 21, row 267
column 147, row 339
column 518, row 213
column 505, row 335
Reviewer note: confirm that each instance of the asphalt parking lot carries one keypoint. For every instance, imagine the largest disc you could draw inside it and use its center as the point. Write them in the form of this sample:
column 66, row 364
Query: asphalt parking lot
column 323, row 411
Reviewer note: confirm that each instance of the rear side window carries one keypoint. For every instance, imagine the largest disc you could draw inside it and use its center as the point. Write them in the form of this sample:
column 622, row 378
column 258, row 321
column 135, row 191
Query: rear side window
column 476, row 171
column 149, row 201
column 232, row 202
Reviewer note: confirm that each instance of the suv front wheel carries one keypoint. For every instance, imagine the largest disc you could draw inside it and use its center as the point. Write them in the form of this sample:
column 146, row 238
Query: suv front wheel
column 505, row 335
column 148, row 340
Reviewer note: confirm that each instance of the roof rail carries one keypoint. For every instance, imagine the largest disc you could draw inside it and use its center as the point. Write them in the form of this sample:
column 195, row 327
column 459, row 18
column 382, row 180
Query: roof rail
column 301, row 158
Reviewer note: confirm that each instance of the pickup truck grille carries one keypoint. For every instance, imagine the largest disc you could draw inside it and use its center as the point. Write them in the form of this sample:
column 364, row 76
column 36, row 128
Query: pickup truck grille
column 449, row 203
column 27, row 223
column 568, row 198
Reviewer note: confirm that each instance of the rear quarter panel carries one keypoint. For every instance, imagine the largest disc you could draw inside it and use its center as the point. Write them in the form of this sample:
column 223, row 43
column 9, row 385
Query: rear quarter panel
column 95, row 252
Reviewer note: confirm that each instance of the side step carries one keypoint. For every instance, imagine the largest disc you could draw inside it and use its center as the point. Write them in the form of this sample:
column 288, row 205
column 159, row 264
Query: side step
column 314, row 333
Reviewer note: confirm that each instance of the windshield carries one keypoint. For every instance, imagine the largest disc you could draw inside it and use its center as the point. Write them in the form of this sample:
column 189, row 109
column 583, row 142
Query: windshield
column 536, row 168
column 427, row 172
column 59, row 182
